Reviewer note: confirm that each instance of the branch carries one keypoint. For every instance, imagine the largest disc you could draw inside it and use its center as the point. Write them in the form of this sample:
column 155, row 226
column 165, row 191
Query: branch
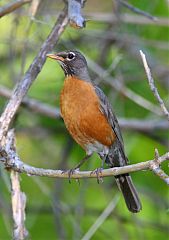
column 136, row 10
column 141, row 101
column 12, row 6
column 145, row 125
column 152, row 85
column 74, row 13
column 101, row 219
column 127, row 18
column 33, row 8
column 18, row 198
column 18, row 207
column 11, row 160
column 155, row 167
column 54, row 112
column 23, row 86
column 33, row 104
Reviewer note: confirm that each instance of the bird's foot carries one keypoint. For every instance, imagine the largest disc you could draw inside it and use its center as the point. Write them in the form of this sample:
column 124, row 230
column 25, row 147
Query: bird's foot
column 70, row 173
column 98, row 172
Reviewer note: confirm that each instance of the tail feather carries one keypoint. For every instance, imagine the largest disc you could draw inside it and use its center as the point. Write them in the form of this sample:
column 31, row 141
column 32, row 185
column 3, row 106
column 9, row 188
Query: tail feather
column 116, row 158
column 129, row 192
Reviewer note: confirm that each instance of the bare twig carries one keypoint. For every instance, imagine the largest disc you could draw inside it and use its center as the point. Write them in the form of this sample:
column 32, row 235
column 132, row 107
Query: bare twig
column 74, row 13
column 33, row 8
column 18, row 198
column 34, row 69
column 155, row 167
column 131, row 44
column 145, row 125
column 152, row 85
column 12, row 6
column 127, row 18
column 33, row 105
column 141, row 101
column 136, row 10
column 54, row 112
column 100, row 220
column 11, row 160
column 18, row 207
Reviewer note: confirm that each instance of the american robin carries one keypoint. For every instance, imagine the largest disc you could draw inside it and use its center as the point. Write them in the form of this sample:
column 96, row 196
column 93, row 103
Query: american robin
column 90, row 120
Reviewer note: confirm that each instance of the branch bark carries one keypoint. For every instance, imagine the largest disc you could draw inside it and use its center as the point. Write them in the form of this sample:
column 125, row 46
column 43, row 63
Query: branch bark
column 10, row 159
column 152, row 85
column 127, row 18
column 34, row 69
column 117, row 85
column 12, row 6
column 136, row 10
column 17, row 165
column 18, row 198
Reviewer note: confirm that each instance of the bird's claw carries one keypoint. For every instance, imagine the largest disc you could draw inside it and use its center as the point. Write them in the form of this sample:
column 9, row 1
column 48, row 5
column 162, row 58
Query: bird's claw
column 70, row 173
column 98, row 172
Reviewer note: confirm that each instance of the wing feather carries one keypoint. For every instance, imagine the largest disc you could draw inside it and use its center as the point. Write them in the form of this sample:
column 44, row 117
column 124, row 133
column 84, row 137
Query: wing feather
column 118, row 146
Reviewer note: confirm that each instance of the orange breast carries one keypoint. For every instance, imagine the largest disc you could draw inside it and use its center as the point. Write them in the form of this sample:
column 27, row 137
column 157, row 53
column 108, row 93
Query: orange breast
column 80, row 109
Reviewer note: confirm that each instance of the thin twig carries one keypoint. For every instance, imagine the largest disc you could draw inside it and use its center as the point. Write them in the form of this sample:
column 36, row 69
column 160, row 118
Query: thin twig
column 127, row 18
column 152, row 86
column 155, row 167
column 18, row 207
column 145, row 125
column 136, row 10
column 130, row 44
column 18, row 198
column 23, row 86
column 12, row 6
column 100, row 220
column 33, row 104
column 141, row 101
column 33, row 8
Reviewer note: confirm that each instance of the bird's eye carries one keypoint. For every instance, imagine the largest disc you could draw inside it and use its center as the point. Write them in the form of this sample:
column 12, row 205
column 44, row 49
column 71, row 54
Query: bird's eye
column 70, row 56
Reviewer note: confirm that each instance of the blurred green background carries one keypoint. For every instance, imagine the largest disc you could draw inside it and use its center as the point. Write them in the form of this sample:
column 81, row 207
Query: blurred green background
column 56, row 209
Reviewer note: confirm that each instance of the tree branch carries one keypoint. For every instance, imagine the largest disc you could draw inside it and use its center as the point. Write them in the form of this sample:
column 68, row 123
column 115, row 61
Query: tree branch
column 155, row 167
column 100, row 220
column 18, row 207
column 18, row 198
column 136, row 10
column 12, row 6
column 141, row 101
column 127, row 18
column 152, row 85
column 34, row 69
column 11, row 160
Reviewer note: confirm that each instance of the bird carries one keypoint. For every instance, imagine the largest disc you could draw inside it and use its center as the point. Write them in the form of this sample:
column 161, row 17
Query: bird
column 90, row 120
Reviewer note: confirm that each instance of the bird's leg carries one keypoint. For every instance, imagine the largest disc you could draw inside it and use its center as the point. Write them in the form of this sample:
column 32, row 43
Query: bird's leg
column 82, row 161
column 98, row 171
column 71, row 171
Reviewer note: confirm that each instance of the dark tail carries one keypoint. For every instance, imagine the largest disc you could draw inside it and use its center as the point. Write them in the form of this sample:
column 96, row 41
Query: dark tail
column 129, row 192
column 117, row 158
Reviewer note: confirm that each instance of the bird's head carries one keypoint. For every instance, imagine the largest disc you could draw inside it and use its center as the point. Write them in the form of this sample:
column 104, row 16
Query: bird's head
column 73, row 63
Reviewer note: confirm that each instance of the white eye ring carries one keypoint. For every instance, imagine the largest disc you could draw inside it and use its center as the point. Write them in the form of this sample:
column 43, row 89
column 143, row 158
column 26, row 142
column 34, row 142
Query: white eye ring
column 70, row 56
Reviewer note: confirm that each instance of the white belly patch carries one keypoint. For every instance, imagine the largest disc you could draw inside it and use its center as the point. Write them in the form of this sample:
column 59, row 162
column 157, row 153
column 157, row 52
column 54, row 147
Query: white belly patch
column 96, row 147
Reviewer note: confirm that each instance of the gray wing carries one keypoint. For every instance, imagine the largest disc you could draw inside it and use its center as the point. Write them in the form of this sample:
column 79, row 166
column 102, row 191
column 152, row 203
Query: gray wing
column 117, row 157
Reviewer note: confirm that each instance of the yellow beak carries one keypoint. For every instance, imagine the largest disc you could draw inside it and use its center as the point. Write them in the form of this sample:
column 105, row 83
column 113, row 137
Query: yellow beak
column 55, row 56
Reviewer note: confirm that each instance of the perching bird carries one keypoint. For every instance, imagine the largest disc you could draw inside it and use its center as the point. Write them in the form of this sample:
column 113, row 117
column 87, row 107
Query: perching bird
column 90, row 120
